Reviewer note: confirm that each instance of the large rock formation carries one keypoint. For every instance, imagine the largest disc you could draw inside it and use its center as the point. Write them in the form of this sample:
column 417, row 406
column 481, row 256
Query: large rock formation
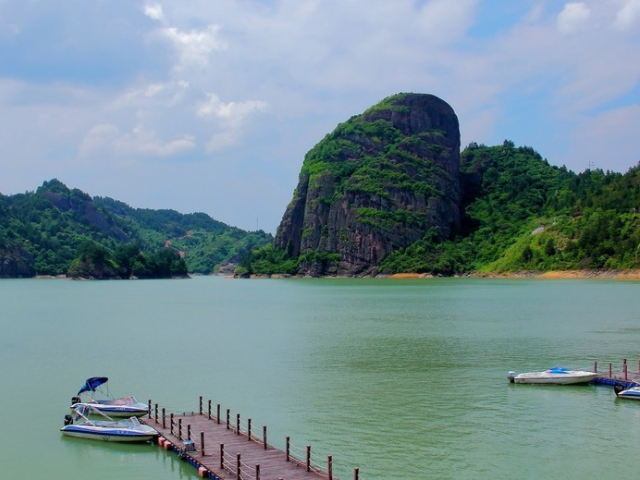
column 377, row 183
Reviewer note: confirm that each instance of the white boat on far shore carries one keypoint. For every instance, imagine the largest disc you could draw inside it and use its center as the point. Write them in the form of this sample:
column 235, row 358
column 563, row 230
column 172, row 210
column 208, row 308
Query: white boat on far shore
column 553, row 376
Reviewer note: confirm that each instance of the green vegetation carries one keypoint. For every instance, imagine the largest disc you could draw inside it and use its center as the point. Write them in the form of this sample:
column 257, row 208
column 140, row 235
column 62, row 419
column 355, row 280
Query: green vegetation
column 56, row 230
column 522, row 214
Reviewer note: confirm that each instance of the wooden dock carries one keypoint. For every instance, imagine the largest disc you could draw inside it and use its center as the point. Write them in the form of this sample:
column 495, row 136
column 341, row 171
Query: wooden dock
column 230, row 449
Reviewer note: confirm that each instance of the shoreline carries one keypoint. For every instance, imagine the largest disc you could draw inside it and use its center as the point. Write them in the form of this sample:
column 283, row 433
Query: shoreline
column 551, row 274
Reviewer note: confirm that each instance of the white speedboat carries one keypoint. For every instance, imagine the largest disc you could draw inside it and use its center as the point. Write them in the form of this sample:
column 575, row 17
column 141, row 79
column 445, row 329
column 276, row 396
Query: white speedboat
column 630, row 392
column 115, row 407
column 553, row 376
column 108, row 430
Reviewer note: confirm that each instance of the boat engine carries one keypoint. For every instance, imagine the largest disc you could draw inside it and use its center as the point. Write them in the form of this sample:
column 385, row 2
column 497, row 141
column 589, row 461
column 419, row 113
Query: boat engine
column 511, row 376
column 75, row 400
column 68, row 420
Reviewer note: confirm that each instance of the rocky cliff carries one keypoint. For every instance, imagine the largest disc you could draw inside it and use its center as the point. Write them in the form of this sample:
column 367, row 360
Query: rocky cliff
column 377, row 183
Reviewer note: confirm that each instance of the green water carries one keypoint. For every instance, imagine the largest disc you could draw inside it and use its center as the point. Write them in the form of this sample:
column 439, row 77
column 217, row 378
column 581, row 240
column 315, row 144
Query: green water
column 403, row 379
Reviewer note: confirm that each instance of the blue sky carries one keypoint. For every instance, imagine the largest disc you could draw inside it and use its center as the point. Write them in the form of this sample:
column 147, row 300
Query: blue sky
column 210, row 105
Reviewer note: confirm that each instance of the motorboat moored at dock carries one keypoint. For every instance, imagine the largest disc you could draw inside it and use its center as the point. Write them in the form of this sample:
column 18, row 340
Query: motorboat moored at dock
column 115, row 407
column 553, row 376
column 108, row 430
column 632, row 392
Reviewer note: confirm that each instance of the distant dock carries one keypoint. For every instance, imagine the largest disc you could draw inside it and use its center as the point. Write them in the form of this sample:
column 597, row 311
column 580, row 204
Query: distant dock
column 228, row 448
column 625, row 376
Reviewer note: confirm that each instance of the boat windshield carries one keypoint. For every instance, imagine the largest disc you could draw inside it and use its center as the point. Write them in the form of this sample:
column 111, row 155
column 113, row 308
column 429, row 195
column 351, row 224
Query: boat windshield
column 130, row 422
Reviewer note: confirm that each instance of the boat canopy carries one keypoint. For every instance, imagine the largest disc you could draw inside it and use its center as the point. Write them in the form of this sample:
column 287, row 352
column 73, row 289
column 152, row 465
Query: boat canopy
column 92, row 383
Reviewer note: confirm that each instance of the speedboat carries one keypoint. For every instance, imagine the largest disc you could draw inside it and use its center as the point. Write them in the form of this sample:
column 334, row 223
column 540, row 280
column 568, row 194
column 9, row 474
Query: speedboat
column 115, row 407
column 630, row 392
column 108, row 430
column 553, row 376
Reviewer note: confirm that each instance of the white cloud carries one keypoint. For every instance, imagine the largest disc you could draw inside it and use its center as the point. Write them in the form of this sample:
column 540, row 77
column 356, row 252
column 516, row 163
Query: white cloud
column 195, row 46
column 628, row 15
column 157, row 94
column 231, row 112
column 221, row 141
column 444, row 21
column 573, row 17
column 154, row 11
column 107, row 140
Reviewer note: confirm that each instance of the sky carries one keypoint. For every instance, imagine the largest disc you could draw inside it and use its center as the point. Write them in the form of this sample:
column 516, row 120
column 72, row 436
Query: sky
column 211, row 105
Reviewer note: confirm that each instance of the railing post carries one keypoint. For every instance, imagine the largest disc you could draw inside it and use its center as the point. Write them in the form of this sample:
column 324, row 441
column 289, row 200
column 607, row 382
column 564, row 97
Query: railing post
column 624, row 368
column 288, row 448
column 264, row 436
column 209, row 414
column 238, row 466
column 249, row 429
column 156, row 413
column 222, row 456
column 330, row 467
column 189, row 432
column 356, row 473
column 595, row 367
column 228, row 416
column 171, row 428
column 238, row 424
column 257, row 471
column 180, row 428
column 164, row 418
column 610, row 373
column 200, row 404
column 308, row 458
column 202, row 443
column 218, row 414
column 149, row 408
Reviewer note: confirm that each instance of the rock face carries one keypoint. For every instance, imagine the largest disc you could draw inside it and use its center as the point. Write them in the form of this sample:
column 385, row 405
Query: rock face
column 377, row 183
column 16, row 263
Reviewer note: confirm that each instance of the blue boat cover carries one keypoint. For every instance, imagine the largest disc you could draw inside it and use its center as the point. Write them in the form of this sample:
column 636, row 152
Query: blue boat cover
column 92, row 383
column 558, row 370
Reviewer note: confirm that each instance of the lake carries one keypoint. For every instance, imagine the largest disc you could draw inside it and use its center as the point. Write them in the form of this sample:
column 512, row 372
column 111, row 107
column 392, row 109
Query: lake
column 405, row 379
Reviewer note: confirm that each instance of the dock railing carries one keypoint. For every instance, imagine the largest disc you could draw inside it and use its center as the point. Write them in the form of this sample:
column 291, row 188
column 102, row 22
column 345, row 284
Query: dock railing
column 178, row 426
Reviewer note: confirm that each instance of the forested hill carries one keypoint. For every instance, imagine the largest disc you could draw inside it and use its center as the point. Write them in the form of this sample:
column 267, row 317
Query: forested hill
column 522, row 214
column 56, row 231
column 518, row 213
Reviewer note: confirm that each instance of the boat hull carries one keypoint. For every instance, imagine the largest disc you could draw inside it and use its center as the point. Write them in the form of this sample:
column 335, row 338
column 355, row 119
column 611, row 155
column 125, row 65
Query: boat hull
column 116, row 411
column 565, row 377
column 632, row 393
column 107, row 435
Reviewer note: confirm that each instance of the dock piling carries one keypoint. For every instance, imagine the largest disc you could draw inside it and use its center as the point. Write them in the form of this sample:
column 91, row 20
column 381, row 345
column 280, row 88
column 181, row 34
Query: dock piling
column 330, row 467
